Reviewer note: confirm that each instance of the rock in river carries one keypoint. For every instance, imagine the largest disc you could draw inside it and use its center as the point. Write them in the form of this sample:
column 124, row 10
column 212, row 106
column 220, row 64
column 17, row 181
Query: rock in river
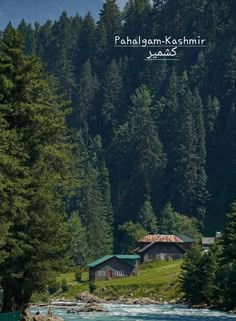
column 40, row 317
column 92, row 307
column 88, row 298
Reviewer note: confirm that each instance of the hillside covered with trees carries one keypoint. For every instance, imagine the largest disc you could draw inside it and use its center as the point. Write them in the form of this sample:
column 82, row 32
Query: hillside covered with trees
column 99, row 147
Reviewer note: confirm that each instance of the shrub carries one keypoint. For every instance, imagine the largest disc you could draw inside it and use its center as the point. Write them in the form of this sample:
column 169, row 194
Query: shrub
column 78, row 274
column 64, row 285
column 92, row 287
column 53, row 286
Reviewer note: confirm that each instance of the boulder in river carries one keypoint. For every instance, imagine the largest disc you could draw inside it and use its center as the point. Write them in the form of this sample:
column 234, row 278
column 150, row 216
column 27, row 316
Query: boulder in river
column 40, row 317
column 91, row 307
column 145, row 301
column 88, row 298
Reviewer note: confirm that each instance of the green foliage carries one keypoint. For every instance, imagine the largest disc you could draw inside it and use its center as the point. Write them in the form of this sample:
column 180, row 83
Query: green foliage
column 227, row 271
column 167, row 219
column 192, row 277
column 64, row 285
column 79, row 252
column 86, row 92
column 147, row 217
column 53, row 286
column 230, row 234
column 78, row 274
column 92, row 287
column 130, row 234
column 112, row 99
column 35, row 158
column 172, row 222
column 209, row 277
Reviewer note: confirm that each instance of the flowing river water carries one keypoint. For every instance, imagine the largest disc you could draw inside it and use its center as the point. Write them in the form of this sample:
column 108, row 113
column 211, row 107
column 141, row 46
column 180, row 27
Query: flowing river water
column 121, row 312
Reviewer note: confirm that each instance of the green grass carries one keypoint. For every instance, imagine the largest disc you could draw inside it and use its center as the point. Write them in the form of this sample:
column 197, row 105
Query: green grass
column 158, row 280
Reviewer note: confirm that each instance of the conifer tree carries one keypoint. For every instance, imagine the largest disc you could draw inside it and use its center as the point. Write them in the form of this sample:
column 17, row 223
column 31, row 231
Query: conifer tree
column 43, row 38
column 60, row 55
column 94, row 216
column 211, row 113
column 85, row 112
column 85, row 47
column 190, row 154
column 112, row 99
column 147, row 217
column 230, row 234
column 148, row 155
column 80, row 251
column 167, row 219
column 109, row 26
column 29, row 37
column 36, row 159
column 192, row 278
column 136, row 14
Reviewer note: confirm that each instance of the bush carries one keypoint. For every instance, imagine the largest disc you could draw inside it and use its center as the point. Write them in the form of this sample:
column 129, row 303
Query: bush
column 64, row 285
column 40, row 297
column 53, row 286
column 92, row 287
column 78, row 274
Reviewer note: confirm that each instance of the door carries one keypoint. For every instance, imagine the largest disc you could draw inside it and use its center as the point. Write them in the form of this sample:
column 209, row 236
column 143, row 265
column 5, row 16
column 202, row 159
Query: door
column 110, row 274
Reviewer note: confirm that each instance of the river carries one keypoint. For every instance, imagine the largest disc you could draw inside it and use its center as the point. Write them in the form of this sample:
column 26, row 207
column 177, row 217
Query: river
column 144, row 312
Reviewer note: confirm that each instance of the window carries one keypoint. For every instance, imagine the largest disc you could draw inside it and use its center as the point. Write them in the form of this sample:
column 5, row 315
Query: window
column 119, row 273
column 101, row 273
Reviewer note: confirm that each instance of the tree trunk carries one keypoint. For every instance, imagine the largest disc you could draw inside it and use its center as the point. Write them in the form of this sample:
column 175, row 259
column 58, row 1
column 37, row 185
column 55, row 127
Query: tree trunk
column 15, row 297
column 8, row 298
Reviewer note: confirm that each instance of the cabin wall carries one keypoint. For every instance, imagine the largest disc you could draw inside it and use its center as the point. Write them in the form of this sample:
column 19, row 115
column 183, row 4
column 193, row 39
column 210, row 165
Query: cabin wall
column 111, row 269
column 162, row 251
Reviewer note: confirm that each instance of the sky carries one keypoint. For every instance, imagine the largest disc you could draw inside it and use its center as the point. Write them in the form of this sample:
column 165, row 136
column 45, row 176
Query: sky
column 42, row 10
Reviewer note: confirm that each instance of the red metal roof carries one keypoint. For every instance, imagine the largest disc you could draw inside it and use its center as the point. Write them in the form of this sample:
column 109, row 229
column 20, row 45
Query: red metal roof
column 161, row 238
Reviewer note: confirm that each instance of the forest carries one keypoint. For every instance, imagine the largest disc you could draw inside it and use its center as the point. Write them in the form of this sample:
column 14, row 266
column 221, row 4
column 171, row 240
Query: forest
column 100, row 147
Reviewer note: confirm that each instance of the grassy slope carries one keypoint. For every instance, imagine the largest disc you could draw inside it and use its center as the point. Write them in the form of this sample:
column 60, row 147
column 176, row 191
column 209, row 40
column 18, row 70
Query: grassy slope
column 158, row 280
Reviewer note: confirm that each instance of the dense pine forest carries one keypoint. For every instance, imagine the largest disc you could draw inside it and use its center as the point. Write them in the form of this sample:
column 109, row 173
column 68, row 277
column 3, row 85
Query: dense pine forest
column 99, row 147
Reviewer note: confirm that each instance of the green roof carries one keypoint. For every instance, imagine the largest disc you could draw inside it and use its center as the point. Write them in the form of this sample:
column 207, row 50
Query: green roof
column 186, row 238
column 126, row 258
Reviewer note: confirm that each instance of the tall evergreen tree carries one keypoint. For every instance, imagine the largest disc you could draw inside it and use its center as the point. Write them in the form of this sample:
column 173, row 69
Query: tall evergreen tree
column 148, row 156
column 80, row 251
column 36, row 160
column 211, row 113
column 190, row 154
column 85, row 113
column 192, row 278
column 167, row 219
column 147, row 217
column 109, row 26
column 94, row 216
column 85, row 46
column 112, row 99
column 29, row 37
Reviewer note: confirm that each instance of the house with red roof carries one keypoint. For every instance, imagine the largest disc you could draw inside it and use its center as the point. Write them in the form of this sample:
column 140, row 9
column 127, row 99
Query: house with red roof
column 162, row 247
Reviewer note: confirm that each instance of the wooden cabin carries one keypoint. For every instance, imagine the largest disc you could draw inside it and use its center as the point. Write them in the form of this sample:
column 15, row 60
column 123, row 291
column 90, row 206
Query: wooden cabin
column 113, row 266
column 161, row 247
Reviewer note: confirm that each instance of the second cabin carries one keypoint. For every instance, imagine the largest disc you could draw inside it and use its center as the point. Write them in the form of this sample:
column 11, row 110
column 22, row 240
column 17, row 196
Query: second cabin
column 163, row 247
